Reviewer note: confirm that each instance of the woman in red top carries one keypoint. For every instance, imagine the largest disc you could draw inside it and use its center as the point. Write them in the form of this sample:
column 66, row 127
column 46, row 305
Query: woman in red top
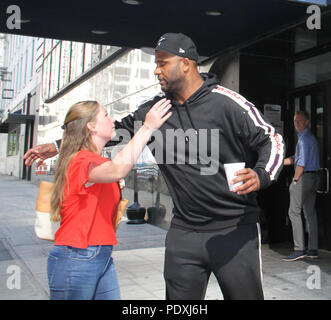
column 85, row 199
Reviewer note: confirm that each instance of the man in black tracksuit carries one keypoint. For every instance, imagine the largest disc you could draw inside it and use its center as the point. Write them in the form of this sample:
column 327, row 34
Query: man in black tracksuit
column 213, row 229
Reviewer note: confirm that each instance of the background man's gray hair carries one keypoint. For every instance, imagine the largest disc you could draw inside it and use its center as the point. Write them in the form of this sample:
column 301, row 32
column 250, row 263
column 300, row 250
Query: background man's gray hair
column 303, row 113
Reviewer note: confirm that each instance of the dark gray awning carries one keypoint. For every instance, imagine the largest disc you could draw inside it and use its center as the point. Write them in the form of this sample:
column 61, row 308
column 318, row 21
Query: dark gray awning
column 213, row 25
column 13, row 118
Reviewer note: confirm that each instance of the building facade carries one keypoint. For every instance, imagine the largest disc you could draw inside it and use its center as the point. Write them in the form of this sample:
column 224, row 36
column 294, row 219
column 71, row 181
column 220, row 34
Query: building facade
column 20, row 98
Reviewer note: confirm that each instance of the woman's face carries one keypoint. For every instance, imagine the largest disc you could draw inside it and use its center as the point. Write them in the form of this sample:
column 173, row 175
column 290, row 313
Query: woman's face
column 104, row 124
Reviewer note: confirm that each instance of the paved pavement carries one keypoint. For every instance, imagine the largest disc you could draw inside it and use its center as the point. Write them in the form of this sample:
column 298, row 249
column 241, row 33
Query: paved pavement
column 138, row 256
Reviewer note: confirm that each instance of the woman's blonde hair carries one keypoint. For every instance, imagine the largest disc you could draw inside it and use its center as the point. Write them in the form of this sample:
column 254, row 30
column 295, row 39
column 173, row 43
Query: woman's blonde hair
column 76, row 136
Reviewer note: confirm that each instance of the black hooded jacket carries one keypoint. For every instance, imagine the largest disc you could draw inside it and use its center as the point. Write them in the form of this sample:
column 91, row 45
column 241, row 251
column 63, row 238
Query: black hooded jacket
column 213, row 127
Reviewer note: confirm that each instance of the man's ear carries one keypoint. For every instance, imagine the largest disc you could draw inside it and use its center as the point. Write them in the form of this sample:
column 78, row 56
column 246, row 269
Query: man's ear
column 186, row 64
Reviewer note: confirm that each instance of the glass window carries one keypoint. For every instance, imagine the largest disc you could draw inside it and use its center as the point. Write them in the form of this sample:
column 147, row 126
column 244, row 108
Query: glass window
column 313, row 70
column 306, row 39
column 147, row 57
column 96, row 54
column 46, row 76
column 31, row 57
column 48, row 46
column 55, row 69
column 105, row 51
column 55, row 42
column 16, row 78
column 20, row 76
column 25, row 68
column 308, row 106
column 29, row 62
column 144, row 74
column 320, row 126
column 65, row 63
column 88, row 56
column 77, row 60
column 12, row 145
column 111, row 50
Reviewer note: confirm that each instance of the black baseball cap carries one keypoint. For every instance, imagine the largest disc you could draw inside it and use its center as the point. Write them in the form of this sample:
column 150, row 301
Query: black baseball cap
column 178, row 44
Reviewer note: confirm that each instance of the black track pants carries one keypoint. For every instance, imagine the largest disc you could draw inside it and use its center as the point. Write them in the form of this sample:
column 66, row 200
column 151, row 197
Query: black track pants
column 232, row 254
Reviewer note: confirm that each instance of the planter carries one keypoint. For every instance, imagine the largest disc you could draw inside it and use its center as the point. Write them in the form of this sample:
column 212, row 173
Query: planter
column 135, row 214
column 156, row 214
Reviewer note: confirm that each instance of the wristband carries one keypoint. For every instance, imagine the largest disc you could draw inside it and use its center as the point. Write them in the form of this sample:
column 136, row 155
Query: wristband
column 57, row 148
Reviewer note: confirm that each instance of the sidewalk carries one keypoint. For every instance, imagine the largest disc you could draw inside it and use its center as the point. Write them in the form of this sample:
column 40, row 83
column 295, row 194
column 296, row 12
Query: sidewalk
column 138, row 257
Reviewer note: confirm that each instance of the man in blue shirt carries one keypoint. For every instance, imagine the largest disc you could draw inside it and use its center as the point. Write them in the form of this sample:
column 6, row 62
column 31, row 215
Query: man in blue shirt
column 303, row 189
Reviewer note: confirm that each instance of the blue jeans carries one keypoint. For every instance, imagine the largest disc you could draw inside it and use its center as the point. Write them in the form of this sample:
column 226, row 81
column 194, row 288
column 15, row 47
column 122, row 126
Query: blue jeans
column 82, row 274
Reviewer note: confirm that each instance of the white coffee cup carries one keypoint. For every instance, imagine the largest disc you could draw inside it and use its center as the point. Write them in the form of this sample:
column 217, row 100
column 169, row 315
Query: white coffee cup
column 230, row 169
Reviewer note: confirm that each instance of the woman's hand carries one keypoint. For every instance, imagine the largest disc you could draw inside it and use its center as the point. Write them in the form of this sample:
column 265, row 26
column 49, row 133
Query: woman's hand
column 158, row 114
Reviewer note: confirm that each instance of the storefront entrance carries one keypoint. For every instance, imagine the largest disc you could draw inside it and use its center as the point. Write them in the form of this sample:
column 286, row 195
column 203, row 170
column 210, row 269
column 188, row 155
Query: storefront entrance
column 316, row 101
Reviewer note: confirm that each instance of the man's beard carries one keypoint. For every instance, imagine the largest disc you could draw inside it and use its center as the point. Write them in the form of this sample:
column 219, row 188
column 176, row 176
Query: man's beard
column 171, row 87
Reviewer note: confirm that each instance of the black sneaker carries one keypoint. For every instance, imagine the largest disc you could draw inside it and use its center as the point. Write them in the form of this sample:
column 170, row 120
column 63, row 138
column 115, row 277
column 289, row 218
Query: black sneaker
column 295, row 255
column 312, row 254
